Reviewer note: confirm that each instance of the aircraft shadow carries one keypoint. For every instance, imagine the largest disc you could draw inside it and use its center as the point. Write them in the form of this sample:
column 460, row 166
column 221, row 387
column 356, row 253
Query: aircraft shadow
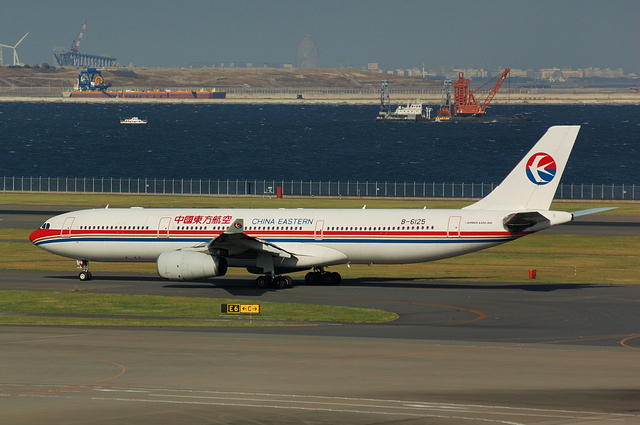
column 413, row 283
column 239, row 286
column 107, row 278
column 233, row 287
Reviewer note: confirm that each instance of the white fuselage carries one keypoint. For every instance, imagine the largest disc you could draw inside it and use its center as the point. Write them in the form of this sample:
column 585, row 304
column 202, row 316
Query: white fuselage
column 317, row 237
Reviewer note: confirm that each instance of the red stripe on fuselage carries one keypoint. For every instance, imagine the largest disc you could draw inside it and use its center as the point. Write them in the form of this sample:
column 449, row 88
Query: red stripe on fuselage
column 40, row 234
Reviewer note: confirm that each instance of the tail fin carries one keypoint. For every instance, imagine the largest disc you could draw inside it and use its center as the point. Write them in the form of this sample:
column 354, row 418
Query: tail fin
column 533, row 183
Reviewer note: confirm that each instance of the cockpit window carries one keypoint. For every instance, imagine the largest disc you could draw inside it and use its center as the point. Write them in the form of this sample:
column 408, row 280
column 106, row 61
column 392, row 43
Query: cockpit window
column 45, row 226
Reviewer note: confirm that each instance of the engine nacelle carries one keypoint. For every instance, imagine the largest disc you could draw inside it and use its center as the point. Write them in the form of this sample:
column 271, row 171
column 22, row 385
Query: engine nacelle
column 190, row 265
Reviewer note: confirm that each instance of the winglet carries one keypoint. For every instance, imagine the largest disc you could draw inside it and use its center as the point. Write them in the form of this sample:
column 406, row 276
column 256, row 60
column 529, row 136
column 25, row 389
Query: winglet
column 533, row 183
column 236, row 227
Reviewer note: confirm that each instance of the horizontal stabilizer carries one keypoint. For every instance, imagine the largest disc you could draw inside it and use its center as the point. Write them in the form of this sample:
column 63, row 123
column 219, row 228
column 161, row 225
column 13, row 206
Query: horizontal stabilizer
column 592, row 211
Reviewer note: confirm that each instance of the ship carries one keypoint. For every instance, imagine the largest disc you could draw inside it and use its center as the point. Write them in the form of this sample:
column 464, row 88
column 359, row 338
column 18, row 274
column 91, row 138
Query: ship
column 133, row 120
column 91, row 85
column 412, row 112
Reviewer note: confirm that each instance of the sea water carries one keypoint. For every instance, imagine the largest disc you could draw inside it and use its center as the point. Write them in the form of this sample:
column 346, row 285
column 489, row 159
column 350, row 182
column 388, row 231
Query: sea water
column 303, row 142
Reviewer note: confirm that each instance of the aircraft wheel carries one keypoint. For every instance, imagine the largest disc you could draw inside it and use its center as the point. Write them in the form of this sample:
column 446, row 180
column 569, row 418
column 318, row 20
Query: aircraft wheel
column 280, row 282
column 84, row 276
column 262, row 282
column 336, row 278
column 289, row 281
column 310, row 278
column 327, row 279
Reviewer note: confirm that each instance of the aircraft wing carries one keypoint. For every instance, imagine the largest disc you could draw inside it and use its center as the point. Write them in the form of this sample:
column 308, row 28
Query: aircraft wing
column 234, row 241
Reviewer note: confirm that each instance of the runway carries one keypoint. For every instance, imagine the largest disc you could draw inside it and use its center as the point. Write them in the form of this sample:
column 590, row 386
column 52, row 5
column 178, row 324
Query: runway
column 459, row 353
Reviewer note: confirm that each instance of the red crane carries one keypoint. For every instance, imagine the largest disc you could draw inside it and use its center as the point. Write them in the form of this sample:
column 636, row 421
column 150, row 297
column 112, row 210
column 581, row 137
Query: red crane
column 465, row 102
column 76, row 44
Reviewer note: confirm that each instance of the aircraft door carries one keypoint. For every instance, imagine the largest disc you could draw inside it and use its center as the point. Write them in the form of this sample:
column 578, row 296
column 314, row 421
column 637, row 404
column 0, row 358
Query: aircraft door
column 319, row 230
column 65, row 232
column 453, row 228
column 163, row 227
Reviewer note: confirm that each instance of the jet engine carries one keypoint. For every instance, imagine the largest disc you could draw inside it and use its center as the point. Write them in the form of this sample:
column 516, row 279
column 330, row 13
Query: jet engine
column 190, row 265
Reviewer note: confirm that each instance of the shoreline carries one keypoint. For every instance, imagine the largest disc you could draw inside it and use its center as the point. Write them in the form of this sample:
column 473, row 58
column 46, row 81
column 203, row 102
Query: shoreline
column 433, row 100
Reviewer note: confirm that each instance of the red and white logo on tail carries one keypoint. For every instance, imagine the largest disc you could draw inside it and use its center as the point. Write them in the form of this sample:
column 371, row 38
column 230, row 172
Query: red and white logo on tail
column 541, row 168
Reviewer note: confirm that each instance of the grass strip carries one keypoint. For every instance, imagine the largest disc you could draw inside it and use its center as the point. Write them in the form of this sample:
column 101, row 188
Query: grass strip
column 85, row 200
column 557, row 258
column 169, row 311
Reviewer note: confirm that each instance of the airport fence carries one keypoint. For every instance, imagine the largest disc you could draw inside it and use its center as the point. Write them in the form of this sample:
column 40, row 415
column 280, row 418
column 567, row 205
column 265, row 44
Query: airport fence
column 273, row 188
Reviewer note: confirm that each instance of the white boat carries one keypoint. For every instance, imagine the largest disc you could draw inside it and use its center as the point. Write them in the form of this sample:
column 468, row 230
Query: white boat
column 133, row 120
column 411, row 112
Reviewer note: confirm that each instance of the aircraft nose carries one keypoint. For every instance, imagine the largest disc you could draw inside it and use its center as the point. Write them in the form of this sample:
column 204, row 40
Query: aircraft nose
column 35, row 235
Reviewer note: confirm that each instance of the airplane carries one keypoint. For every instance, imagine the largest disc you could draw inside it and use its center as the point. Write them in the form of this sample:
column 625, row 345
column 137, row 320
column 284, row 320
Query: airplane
column 192, row 244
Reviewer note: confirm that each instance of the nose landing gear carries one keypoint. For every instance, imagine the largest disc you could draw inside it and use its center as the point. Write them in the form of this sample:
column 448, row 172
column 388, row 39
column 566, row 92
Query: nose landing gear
column 85, row 274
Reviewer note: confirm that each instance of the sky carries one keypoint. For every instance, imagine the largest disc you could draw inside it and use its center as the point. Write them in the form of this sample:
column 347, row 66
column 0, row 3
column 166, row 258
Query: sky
column 492, row 35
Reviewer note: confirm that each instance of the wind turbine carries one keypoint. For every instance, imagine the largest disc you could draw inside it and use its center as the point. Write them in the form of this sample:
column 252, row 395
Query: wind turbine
column 16, row 61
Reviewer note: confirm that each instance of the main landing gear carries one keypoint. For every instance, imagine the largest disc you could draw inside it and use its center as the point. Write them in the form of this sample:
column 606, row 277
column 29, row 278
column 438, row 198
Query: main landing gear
column 320, row 277
column 85, row 274
column 276, row 281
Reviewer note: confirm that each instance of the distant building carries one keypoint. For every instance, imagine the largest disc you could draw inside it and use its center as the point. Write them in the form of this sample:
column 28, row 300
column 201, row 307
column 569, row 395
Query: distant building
column 557, row 74
column 603, row 73
column 517, row 73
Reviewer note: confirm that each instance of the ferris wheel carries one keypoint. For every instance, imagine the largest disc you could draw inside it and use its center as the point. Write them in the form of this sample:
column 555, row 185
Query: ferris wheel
column 307, row 53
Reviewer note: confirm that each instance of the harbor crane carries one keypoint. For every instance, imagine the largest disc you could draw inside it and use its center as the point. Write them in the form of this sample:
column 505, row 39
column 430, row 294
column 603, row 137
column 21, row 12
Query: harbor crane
column 76, row 43
column 465, row 103
column 73, row 57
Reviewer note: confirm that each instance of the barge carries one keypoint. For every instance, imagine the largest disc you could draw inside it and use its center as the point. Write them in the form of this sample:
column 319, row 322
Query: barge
column 91, row 85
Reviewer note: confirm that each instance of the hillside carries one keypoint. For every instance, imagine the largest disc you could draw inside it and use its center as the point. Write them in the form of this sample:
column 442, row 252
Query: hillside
column 213, row 77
